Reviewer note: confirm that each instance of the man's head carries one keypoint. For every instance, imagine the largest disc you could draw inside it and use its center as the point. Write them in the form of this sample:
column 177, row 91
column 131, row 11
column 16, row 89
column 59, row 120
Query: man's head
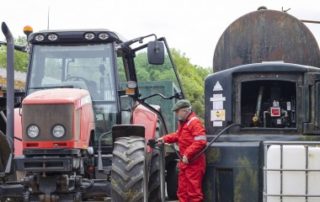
column 182, row 109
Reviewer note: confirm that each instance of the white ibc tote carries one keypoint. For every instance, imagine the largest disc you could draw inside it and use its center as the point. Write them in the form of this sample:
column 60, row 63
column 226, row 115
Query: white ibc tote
column 292, row 173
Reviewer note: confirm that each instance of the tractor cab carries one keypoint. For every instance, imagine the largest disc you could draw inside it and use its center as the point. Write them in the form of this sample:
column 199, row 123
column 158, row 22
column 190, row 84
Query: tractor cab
column 79, row 60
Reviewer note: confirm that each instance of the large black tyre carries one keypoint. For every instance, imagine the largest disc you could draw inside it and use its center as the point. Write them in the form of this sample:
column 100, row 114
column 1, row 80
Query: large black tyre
column 172, row 180
column 154, row 179
column 128, row 169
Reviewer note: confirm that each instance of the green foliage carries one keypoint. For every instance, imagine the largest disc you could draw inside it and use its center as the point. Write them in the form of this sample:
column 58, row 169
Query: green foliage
column 192, row 78
column 148, row 72
column 20, row 58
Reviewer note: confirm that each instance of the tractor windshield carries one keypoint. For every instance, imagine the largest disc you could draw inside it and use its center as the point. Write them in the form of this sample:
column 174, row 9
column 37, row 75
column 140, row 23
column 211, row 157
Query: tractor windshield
column 77, row 66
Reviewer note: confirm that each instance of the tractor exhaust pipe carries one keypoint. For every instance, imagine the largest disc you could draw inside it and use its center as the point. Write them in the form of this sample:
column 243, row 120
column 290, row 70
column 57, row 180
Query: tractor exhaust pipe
column 10, row 85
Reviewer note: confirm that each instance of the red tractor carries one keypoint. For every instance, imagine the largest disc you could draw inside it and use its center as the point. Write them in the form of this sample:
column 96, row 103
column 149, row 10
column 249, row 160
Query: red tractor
column 91, row 104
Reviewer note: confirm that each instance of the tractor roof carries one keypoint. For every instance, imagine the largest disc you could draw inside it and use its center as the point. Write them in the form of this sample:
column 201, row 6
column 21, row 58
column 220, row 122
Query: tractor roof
column 75, row 36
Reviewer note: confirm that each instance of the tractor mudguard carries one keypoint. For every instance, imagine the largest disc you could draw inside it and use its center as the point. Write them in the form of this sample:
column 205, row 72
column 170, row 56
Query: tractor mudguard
column 127, row 130
column 147, row 118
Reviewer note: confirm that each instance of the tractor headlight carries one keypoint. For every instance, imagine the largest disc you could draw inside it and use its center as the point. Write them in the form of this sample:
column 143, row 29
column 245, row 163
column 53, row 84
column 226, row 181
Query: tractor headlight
column 103, row 36
column 53, row 37
column 39, row 37
column 89, row 36
column 33, row 131
column 58, row 131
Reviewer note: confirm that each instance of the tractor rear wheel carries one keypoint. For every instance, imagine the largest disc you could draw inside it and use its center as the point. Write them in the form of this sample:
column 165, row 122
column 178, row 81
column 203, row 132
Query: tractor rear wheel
column 127, row 173
column 172, row 180
column 154, row 179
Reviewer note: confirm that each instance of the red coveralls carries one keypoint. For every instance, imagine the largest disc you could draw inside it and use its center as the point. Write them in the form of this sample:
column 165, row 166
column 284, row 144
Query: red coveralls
column 191, row 139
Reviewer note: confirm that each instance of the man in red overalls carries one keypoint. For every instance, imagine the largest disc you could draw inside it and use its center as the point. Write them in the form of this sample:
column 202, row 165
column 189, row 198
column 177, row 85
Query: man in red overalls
column 191, row 139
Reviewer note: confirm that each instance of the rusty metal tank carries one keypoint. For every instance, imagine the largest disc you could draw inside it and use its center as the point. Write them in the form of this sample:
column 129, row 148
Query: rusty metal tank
column 266, row 35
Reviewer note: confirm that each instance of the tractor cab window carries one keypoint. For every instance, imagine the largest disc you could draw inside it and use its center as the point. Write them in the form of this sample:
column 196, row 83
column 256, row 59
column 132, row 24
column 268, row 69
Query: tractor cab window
column 154, row 79
column 89, row 67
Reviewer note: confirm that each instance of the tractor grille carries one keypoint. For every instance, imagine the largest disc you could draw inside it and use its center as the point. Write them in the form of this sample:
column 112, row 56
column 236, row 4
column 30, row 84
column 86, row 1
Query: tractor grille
column 46, row 117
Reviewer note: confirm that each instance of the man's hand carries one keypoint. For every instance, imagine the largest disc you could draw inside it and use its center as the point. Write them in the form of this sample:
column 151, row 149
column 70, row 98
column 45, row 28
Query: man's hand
column 185, row 160
column 160, row 140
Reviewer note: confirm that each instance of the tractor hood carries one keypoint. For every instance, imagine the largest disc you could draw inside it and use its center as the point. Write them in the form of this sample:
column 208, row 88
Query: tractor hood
column 77, row 97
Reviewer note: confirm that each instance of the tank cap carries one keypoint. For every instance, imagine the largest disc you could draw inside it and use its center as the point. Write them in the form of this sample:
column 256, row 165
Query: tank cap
column 262, row 8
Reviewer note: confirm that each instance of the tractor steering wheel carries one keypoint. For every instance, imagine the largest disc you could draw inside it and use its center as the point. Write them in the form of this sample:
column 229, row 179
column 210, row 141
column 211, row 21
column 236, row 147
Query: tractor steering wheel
column 77, row 78
column 91, row 85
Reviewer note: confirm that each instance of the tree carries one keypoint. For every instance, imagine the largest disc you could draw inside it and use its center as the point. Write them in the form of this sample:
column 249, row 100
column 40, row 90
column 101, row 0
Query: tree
column 20, row 58
column 192, row 78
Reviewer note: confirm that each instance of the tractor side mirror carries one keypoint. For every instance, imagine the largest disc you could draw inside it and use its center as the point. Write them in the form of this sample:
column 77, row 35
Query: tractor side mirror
column 155, row 53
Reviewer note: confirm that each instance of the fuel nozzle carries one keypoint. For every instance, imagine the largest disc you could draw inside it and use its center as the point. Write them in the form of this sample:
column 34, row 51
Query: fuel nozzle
column 152, row 143
column 255, row 120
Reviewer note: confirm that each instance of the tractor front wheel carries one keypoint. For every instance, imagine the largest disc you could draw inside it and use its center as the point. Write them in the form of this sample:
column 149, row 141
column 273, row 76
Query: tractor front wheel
column 127, row 173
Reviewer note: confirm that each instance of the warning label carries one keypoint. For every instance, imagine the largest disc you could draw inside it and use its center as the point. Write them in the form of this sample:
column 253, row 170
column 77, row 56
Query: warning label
column 218, row 115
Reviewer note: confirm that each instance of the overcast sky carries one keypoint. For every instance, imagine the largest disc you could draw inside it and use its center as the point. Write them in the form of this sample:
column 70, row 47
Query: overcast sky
column 192, row 26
